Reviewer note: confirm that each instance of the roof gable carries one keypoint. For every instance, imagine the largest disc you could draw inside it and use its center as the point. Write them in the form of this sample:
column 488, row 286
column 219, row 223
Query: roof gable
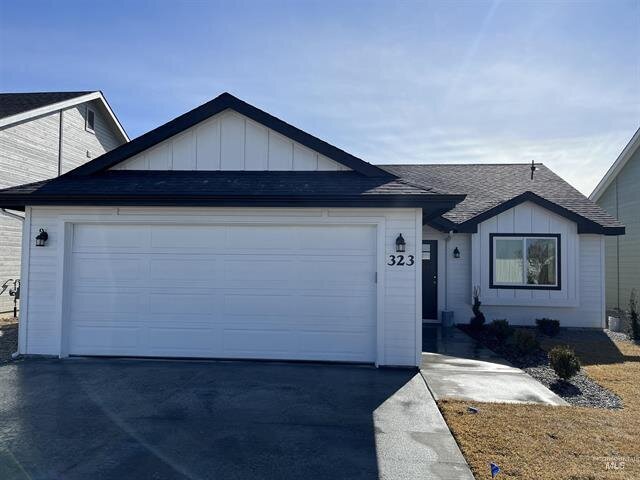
column 493, row 188
column 21, row 107
column 232, row 142
column 214, row 107
column 617, row 166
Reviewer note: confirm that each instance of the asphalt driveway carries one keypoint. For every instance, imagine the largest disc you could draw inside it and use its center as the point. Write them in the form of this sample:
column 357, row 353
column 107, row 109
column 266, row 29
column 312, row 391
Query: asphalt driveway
column 119, row 419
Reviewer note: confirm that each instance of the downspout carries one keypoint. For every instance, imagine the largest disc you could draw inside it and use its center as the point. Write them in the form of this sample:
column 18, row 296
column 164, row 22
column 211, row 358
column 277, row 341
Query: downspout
column 446, row 270
column 15, row 216
column 60, row 145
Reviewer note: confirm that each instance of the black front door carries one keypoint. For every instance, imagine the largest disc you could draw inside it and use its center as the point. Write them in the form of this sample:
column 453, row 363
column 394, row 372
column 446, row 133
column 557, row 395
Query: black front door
column 430, row 279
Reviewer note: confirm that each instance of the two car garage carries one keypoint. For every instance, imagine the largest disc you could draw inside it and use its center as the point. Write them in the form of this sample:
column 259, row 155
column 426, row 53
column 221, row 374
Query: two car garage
column 283, row 291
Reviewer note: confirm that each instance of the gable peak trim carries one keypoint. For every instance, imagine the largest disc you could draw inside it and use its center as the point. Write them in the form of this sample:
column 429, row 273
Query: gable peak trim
column 222, row 102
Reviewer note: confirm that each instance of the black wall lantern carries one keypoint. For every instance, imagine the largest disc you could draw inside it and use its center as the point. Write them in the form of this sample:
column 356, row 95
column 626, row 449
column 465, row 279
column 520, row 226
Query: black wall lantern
column 456, row 252
column 400, row 244
column 41, row 238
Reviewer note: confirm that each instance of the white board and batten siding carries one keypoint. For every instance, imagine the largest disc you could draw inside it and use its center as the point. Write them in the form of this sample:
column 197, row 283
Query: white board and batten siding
column 579, row 302
column 149, row 275
column 230, row 141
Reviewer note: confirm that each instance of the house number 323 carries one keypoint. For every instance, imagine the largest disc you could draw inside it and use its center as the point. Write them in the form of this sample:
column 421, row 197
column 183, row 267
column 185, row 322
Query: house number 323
column 401, row 260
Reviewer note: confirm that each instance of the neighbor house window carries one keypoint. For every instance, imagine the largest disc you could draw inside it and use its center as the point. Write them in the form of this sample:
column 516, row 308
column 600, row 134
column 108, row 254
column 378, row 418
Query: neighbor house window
column 525, row 261
column 91, row 120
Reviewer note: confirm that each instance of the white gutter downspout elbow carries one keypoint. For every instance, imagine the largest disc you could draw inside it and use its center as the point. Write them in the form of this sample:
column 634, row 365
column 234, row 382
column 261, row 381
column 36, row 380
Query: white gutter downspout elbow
column 15, row 216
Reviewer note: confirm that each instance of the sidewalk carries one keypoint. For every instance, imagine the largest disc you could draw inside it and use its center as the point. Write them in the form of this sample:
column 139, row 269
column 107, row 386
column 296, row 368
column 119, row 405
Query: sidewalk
column 459, row 367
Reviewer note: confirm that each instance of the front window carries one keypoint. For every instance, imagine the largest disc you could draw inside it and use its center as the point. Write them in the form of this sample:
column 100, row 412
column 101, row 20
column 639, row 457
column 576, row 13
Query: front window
column 525, row 261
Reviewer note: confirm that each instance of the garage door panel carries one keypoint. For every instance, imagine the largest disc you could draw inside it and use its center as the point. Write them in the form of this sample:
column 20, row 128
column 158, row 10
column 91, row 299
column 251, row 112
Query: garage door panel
column 195, row 270
column 180, row 304
column 104, row 269
column 95, row 238
column 257, row 305
column 253, row 271
column 184, row 341
column 103, row 340
column 266, row 238
column 188, row 238
column 346, row 343
column 224, row 291
column 106, row 302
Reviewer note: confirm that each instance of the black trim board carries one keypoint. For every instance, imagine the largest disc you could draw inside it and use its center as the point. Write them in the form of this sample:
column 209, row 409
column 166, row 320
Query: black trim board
column 584, row 224
column 374, row 201
column 223, row 102
column 558, row 238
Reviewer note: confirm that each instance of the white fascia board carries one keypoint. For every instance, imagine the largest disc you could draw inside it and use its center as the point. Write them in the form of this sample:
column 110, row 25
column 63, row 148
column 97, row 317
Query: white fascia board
column 54, row 107
column 618, row 165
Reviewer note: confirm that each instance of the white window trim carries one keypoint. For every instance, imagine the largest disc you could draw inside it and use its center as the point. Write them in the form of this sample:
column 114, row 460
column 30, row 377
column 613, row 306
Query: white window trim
column 524, row 285
column 86, row 120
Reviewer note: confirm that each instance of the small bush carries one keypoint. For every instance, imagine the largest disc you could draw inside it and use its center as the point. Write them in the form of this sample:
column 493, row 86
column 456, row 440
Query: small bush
column 525, row 342
column 564, row 362
column 548, row 326
column 477, row 321
column 501, row 329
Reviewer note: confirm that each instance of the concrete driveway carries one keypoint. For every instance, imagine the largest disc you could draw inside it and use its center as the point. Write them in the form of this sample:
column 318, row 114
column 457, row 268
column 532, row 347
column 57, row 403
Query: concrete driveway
column 120, row 419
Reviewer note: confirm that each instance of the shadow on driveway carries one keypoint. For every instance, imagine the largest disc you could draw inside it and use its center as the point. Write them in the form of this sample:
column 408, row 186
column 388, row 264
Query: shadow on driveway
column 120, row 419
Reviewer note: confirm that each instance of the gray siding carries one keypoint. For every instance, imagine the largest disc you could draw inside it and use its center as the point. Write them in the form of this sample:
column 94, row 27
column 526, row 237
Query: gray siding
column 77, row 141
column 29, row 153
column 622, row 199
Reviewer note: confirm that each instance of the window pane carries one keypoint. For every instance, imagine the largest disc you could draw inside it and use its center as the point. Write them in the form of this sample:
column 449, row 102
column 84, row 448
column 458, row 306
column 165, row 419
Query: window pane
column 509, row 261
column 541, row 260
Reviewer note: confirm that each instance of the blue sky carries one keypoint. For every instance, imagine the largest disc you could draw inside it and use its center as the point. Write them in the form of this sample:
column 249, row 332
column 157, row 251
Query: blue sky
column 391, row 82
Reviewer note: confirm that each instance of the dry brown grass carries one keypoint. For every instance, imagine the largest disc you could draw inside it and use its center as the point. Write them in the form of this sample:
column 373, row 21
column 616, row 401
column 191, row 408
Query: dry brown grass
column 541, row 442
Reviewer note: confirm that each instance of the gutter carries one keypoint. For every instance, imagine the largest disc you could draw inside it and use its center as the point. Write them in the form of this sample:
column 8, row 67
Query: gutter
column 15, row 216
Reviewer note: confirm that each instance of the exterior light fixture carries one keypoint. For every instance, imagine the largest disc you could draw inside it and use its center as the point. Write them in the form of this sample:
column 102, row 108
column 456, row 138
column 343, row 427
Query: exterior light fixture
column 456, row 252
column 41, row 238
column 400, row 244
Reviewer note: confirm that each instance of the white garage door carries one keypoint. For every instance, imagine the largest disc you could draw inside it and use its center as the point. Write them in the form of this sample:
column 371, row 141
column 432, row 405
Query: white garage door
column 243, row 291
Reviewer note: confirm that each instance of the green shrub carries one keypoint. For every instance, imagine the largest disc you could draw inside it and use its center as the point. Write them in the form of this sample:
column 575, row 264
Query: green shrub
column 548, row 326
column 477, row 321
column 501, row 329
column 525, row 342
column 564, row 361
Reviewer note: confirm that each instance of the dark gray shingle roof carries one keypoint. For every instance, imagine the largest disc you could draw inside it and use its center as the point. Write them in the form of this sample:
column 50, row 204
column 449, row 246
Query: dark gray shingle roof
column 487, row 186
column 14, row 103
column 178, row 187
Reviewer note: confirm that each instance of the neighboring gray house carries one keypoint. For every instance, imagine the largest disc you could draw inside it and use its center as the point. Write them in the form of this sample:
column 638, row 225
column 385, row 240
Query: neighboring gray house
column 43, row 135
column 619, row 193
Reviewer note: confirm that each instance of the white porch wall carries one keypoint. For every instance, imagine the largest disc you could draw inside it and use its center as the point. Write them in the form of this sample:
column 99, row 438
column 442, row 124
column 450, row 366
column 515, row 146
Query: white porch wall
column 580, row 302
column 42, row 310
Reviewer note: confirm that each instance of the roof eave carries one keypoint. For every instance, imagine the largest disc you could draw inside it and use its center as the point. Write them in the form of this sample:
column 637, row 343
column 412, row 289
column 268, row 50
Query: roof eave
column 54, row 107
column 431, row 202
column 618, row 165
column 584, row 225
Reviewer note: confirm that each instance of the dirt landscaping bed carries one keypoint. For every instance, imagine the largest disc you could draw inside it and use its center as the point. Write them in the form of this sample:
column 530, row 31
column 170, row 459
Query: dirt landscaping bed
column 8, row 338
column 580, row 390
column 535, row 441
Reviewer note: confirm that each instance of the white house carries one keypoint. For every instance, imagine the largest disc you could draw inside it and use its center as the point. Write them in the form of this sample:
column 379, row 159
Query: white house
column 228, row 233
column 43, row 135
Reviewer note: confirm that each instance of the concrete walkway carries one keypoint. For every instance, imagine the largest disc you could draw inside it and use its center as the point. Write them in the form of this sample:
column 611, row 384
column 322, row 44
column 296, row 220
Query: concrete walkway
column 413, row 440
column 460, row 368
